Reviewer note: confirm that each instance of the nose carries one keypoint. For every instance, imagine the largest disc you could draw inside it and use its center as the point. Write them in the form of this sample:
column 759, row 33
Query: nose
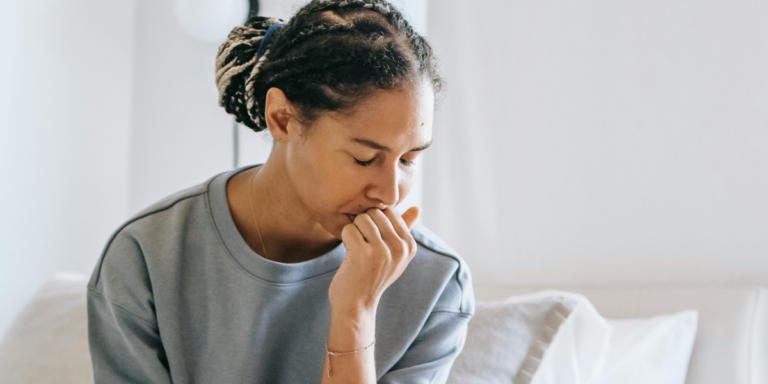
column 385, row 187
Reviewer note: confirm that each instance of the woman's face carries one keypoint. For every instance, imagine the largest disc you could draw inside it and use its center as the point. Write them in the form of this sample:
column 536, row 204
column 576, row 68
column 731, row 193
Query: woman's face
column 347, row 163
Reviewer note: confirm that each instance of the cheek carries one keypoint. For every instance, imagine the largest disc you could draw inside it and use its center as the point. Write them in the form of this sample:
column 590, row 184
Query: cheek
column 309, row 176
column 339, row 189
column 329, row 186
column 407, row 179
column 346, row 184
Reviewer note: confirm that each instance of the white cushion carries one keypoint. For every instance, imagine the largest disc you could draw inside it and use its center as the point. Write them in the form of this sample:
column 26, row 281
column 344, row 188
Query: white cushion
column 508, row 340
column 579, row 349
column 557, row 337
column 651, row 350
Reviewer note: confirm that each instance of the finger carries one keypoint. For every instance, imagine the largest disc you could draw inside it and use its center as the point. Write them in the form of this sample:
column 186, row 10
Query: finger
column 411, row 215
column 401, row 227
column 386, row 229
column 368, row 228
column 351, row 236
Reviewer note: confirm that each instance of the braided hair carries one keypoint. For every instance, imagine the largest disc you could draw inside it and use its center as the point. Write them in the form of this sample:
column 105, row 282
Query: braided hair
column 327, row 57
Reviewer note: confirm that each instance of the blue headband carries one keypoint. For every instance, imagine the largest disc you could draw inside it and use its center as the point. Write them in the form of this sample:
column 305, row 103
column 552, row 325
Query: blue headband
column 263, row 44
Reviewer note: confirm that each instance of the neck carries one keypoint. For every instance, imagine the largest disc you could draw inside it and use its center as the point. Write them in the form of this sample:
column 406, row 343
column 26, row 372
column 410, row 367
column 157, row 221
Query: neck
column 289, row 231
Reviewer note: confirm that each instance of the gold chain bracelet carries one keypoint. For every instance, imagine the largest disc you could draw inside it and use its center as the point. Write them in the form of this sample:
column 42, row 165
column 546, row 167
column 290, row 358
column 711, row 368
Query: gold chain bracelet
column 327, row 352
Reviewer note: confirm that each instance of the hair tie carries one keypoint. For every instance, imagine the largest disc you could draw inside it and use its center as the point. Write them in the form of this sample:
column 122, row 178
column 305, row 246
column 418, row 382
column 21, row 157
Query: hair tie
column 263, row 44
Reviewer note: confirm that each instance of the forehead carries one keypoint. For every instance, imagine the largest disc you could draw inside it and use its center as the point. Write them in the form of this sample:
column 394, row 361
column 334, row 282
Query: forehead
column 398, row 117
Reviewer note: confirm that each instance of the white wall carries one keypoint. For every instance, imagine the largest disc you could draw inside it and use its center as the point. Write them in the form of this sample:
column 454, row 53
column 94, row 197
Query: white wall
column 65, row 70
column 181, row 136
column 601, row 142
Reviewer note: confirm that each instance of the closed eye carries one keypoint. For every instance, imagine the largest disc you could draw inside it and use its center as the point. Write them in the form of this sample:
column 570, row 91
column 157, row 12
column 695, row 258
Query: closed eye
column 369, row 162
column 364, row 163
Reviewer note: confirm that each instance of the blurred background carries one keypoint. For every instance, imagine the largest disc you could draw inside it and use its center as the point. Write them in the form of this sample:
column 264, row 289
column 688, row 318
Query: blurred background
column 592, row 143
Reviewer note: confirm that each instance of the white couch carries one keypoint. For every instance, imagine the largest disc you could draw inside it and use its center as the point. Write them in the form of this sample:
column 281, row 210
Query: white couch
column 48, row 341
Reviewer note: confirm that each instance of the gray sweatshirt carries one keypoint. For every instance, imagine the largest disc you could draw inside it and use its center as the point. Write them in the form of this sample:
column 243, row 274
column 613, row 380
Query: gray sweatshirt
column 178, row 296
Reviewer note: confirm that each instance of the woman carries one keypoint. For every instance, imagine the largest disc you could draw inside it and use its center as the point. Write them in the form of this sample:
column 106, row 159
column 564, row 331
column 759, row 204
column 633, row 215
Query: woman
column 291, row 271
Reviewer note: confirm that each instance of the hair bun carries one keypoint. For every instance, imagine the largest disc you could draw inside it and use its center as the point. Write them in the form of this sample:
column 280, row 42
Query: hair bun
column 236, row 69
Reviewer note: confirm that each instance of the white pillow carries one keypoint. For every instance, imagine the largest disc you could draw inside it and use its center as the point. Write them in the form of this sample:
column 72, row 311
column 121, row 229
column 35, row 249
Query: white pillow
column 506, row 339
column 556, row 337
column 579, row 350
column 653, row 350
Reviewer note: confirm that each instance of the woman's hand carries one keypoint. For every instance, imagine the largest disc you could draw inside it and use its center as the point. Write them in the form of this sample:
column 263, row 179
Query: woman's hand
column 379, row 247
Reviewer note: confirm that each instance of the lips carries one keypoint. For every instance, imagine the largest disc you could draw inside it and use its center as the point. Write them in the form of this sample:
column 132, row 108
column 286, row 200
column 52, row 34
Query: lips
column 350, row 217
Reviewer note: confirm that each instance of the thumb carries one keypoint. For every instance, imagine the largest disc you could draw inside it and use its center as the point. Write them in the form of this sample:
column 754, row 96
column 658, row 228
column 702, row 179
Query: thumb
column 410, row 216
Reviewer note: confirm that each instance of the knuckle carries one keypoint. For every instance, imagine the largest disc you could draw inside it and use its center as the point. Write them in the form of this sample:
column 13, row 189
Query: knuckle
column 383, row 250
column 348, row 230
column 406, row 245
column 399, row 247
column 360, row 218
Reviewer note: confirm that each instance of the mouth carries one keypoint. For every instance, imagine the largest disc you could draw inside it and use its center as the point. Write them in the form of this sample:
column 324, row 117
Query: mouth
column 351, row 217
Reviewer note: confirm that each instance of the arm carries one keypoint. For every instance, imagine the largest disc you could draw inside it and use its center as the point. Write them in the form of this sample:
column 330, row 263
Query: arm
column 379, row 248
column 123, row 335
column 350, row 331
column 124, row 348
column 431, row 355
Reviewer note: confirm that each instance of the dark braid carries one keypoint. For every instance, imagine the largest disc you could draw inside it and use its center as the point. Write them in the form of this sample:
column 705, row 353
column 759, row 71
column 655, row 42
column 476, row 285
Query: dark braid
column 327, row 57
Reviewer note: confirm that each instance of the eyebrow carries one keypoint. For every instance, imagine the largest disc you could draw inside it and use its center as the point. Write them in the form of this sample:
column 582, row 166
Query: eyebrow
column 375, row 145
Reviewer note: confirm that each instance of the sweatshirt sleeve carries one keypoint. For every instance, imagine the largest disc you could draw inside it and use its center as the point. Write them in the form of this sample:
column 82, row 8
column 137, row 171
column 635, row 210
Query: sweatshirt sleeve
column 431, row 355
column 429, row 358
column 123, row 334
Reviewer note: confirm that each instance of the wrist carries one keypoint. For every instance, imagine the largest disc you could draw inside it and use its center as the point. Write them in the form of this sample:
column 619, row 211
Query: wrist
column 351, row 328
column 355, row 307
column 355, row 319
column 355, row 310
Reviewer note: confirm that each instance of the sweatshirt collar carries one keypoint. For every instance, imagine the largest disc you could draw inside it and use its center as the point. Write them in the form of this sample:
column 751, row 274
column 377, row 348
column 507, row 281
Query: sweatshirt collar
column 261, row 268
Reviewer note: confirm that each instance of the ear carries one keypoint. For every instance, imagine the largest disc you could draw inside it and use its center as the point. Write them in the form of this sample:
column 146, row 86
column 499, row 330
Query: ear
column 278, row 115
